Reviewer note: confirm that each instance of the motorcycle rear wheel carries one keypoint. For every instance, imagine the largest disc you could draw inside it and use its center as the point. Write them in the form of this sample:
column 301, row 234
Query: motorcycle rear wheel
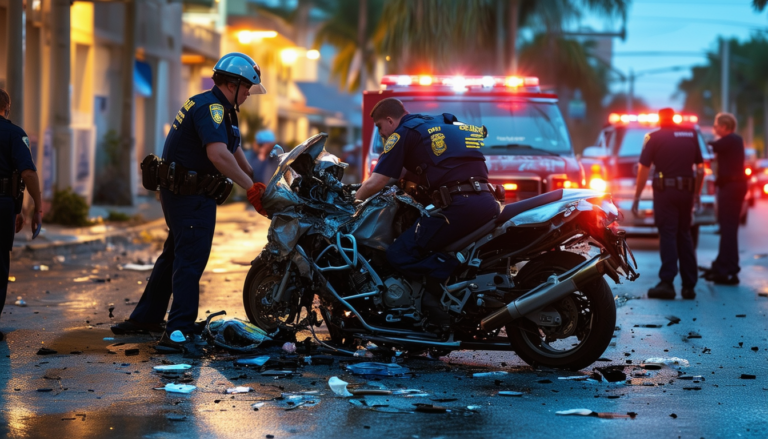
column 595, row 322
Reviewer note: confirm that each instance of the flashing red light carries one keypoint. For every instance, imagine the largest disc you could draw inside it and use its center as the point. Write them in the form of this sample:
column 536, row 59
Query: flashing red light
column 649, row 118
column 765, row 189
column 748, row 171
column 461, row 82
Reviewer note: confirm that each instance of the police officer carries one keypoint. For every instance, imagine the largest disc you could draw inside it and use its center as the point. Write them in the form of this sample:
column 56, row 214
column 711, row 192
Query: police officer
column 204, row 138
column 674, row 152
column 731, row 190
column 15, row 164
column 446, row 157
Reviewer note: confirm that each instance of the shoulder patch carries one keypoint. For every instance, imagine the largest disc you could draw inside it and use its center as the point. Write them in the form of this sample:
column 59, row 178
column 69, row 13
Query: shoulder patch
column 217, row 113
column 25, row 139
column 391, row 141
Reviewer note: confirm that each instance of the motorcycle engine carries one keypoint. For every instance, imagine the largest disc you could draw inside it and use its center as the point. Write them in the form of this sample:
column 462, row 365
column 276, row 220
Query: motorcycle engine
column 398, row 294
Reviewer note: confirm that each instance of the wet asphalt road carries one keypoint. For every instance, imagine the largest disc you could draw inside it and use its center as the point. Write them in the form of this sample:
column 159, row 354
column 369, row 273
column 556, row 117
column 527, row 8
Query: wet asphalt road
column 96, row 390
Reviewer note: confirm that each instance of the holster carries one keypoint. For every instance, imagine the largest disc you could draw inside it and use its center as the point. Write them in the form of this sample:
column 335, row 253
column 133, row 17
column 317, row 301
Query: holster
column 681, row 183
column 157, row 173
column 17, row 191
column 149, row 169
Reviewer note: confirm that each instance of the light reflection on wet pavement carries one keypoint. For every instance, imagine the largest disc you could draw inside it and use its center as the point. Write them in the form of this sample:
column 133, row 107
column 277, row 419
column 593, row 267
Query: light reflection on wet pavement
column 95, row 393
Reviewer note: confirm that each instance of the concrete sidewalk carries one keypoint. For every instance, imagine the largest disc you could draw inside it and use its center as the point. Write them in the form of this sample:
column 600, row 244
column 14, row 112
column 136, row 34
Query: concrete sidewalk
column 55, row 239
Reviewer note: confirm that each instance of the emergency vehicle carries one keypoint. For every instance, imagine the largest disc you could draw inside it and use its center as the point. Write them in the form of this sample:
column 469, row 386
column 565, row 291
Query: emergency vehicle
column 615, row 156
column 528, row 149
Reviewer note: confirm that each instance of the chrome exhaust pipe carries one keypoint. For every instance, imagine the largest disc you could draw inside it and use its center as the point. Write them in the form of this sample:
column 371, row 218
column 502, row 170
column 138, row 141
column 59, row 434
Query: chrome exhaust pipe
column 553, row 290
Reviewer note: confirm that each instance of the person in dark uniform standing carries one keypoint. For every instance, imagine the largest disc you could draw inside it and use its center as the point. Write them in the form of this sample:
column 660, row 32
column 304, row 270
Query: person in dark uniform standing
column 204, row 139
column 16, row 166
column 445, row 155
column 731, row 190
column 674, row 152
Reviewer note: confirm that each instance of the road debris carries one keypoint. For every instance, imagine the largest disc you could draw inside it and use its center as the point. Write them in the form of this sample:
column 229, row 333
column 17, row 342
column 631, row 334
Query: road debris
column 510, row 393
column 673, row 361
column 136, row 267
column 379, row 369
column 172, row 367
column 234, row 334
column 747, row 376
column 289, row 348
column 574, row 378
column 612, row 374
column 237, row 390
column 497, row 373
column 587, row 412
column 40, row 268
column 178, row 388
column 673, row 320
column 20, row 301
column 257, row 361
column 46, row 351
column 339, row 387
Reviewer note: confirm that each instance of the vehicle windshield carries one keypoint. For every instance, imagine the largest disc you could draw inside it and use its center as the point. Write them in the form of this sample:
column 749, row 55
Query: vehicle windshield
column 514, row 126
column 629, row 142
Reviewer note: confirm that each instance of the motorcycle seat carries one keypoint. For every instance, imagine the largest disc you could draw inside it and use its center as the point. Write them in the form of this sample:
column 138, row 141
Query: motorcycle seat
column 472, row 237
column 514, row 209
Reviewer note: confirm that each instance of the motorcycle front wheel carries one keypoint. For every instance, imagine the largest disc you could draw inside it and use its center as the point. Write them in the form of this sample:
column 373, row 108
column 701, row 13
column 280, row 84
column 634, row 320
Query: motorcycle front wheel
column 588, row 319
column 259, row 290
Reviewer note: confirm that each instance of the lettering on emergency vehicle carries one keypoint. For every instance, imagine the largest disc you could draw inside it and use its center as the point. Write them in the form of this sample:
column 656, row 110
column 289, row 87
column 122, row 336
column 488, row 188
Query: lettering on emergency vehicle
column 391, row 141
column 217, row 113
column 438, row 143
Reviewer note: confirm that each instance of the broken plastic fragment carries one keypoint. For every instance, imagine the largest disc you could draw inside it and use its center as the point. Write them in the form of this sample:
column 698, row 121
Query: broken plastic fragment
column 673, row 361
column 46, row 351
column 510, row 393
column 497, row 373
column 574, row 378
column 258, row 405
column 40, row 268
column 339, row 387
column 20, row 302
column 364, row 353
column 575, row 412
column 289, row 347
column 258, row 361
column 172, row 368
column 672, row 320
column 136, row 267
column 378, row 369
column 239, row 390
column 179, row 388
column 412, row 393
column 109, row 339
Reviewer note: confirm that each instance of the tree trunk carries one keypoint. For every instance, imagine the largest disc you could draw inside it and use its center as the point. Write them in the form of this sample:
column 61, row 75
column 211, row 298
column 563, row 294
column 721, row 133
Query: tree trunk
column 514, row 18
column 124, row 193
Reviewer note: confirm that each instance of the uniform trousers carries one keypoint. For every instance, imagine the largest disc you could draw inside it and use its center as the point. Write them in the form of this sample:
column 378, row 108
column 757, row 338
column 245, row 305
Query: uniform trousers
column 7, row 233
column 417, row 251
column 673, row 212
column 191, row 220
column 730, row 198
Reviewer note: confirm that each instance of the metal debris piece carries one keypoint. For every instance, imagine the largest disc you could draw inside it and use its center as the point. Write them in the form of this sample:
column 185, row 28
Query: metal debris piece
column 378, row 369
column 172, row 368
column 236, row 390
column 673, row 361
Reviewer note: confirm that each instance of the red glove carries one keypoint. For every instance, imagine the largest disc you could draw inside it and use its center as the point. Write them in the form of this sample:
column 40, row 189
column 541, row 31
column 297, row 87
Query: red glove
column 254, row 197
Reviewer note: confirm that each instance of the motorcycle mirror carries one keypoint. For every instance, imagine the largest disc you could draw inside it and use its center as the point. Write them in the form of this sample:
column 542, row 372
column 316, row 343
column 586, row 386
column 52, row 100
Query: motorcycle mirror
column 276, row 151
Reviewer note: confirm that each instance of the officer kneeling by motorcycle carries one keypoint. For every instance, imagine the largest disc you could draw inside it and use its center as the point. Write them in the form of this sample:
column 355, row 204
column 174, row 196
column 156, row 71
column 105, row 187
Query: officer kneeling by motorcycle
column 201, row 158
column 445, row 155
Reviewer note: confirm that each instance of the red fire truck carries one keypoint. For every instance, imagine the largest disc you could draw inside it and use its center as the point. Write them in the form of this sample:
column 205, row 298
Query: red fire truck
column 528, row 149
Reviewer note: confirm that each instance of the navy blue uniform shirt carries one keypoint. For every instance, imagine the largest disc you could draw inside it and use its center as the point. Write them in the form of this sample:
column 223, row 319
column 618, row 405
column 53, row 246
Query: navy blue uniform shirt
column 14, row 149
column 730, row 156
column 444, row 153
column 205, row 118
column 672, row 150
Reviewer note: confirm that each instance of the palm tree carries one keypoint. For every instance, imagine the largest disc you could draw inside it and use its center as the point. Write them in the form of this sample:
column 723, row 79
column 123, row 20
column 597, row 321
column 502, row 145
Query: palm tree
column 348, row 30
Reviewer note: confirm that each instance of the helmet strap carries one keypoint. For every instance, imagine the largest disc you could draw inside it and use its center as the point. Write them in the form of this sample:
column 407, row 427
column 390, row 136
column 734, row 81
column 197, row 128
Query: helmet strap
column 237, row 90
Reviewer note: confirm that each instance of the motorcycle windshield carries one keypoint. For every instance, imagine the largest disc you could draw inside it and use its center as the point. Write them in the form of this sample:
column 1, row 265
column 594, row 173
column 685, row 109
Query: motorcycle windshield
column 573, row 199
column 278, row 195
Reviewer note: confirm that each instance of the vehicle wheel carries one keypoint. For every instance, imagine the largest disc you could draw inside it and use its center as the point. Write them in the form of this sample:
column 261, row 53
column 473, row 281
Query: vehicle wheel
column 258, row 298
column 589, row 318
column 695, row 235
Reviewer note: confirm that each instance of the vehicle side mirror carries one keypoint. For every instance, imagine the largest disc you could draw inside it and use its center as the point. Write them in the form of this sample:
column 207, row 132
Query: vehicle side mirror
column 276, row 151
column 594, row 151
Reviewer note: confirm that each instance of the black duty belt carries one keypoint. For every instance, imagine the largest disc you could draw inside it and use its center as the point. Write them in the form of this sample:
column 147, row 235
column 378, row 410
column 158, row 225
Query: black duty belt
column 157, row 173
column 14, row 187
column 682, row 183
column 442, row 197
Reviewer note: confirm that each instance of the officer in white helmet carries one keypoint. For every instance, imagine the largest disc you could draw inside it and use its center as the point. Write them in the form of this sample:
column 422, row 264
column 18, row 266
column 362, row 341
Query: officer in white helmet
column 201, row 158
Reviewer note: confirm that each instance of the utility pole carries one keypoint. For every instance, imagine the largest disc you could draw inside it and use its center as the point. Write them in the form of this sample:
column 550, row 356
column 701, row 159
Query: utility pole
column 499, row 37
column 16, row 24
column 124, row 194
column 725, row 63
column 514, row 19
column 60, row 94
column 631, row 92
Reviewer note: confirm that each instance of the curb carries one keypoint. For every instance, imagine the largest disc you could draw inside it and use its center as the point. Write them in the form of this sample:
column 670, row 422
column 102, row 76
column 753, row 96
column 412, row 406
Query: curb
column 96, row 242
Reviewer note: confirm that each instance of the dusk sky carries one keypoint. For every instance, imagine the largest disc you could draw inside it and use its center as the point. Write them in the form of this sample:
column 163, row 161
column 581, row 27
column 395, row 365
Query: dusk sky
column 667, row 33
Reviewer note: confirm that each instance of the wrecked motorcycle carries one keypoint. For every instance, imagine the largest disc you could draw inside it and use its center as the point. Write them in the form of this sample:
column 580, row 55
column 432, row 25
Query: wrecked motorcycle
column 530, row 281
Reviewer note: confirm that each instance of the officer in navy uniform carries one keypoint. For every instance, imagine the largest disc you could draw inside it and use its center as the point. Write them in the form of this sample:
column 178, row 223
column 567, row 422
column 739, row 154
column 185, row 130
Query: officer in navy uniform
column 731, row 189
column 674, row 152
column 15, row 158
column 204, row 138
column 442, row 152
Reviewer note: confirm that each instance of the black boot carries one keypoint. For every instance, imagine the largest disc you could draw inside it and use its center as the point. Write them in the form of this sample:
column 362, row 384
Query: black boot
column 663, row 290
